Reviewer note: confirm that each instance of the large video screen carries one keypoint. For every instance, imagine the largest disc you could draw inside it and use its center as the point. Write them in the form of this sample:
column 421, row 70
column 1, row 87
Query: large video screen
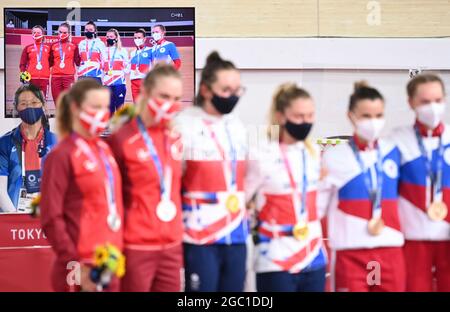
column 34, row 52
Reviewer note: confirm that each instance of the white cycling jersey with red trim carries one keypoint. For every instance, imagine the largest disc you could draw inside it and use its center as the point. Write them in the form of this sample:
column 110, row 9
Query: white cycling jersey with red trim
column 210, row 217
column 268, row 180
column 92, row 54
column 414, row 201
column 115, row 67
column 343, row 195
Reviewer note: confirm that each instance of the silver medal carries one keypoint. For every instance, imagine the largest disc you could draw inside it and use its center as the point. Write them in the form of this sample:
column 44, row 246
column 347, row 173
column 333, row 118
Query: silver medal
column 62, row 65
column 39, row 66
column 114, row 222
column 166, row 210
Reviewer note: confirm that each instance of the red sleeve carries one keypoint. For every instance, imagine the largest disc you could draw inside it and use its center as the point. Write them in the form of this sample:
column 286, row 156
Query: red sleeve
column 177, row 63
column 76, row 56
column 55, row 182
column 51, row 58
column 24, row 60
column 115, row 144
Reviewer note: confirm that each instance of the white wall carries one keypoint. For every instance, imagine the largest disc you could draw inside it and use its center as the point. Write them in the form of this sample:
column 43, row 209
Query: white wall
column 326, row 67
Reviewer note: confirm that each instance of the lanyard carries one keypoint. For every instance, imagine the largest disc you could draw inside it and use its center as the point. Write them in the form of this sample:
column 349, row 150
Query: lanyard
column 302, row 212
column 436, row 178
column 62, row 55
column 164, row 182
column 138, row 54
column 39, row 56
column 230, row 177
column 89, row 51
column 375, row 191
column 111, row 61
column 109, row 184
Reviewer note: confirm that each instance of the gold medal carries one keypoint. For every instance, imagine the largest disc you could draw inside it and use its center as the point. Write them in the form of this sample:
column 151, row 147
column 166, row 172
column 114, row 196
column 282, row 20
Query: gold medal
column 110, row 72
column 437, row 211
column 375, row 226
column 232, row 203
column 300, row 230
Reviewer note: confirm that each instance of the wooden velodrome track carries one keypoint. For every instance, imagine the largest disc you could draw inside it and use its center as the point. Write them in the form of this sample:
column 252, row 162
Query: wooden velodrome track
column 12, row 58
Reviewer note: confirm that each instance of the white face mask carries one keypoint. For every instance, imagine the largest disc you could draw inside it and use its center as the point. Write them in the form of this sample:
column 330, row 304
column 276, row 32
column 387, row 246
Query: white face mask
column 157, row 36
column 369, row 129
column 430, row 114
column 138, row 42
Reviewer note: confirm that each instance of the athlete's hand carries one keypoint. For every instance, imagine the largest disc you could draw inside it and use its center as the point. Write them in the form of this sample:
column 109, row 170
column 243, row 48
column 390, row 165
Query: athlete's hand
column 86, row 283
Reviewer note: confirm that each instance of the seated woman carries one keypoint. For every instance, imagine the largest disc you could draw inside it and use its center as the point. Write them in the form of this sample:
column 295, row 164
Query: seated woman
column 22, row 151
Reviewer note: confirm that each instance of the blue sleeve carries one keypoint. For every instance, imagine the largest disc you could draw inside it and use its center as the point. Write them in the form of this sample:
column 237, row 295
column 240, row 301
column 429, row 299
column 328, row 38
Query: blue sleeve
column 4, row 157
column 174, row 52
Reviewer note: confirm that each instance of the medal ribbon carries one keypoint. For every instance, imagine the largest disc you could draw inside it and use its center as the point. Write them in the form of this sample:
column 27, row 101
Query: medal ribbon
column 435, row 178
column 374, row 189
column 111, row 62
column 164, row 177
column 39, row 56
column 229, row 168
column 300, row 212
column 62, row 55
column 89, row 51
column 109, row 183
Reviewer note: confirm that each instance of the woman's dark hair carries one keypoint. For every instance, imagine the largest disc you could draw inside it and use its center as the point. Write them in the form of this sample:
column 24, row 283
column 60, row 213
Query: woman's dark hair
column 214, row 63
column 37, row 93
column 91, row 23
column 362, row 91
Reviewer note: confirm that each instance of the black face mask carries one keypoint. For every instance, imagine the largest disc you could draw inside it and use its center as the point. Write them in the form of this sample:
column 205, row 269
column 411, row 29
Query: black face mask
column 89, row 34
column 298, row 131
column 224, row 105
column 110, row 42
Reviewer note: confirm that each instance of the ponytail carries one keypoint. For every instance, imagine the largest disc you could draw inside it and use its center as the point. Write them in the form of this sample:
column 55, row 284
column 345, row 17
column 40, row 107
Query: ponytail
column 64, row 115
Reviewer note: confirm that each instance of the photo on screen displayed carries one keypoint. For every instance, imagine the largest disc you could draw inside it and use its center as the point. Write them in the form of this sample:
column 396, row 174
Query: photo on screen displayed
column 30, row 58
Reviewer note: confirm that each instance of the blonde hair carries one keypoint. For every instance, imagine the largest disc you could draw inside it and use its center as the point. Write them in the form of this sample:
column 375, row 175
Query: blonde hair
column 76, row 94
column 282, row 99
column 116, row 33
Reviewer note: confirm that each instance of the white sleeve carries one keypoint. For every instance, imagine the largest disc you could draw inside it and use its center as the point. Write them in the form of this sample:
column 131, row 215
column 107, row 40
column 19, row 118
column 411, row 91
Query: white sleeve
column 6, row 204
column 326, row 190
column 253, row 179
column 126, row 61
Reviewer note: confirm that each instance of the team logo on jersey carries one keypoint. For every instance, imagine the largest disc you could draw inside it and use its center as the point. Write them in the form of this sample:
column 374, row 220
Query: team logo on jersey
column 447, row 155
column 390, row 168
column 162, row 50
column 144, row 54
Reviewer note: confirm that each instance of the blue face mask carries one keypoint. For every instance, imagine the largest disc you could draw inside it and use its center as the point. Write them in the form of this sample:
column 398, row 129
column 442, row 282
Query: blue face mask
column 31, row 115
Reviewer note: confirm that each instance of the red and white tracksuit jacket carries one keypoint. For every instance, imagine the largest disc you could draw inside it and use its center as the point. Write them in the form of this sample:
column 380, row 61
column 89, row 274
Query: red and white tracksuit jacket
column 268, row 178
column 74, row 204
column 141, row 187
column 207, row 184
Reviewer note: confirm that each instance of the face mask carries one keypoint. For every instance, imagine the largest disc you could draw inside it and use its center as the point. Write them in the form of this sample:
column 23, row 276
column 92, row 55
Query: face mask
column 430, row 114
column 89, row 34
column 163, row 112
column 38, row 38
column 224, row 105
column 369, row 129
column 111, row 42
column 299, row 131
column 138, row 42
column 31, row 115
column 63, row 37
column 94, row 121
column 157, row 36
